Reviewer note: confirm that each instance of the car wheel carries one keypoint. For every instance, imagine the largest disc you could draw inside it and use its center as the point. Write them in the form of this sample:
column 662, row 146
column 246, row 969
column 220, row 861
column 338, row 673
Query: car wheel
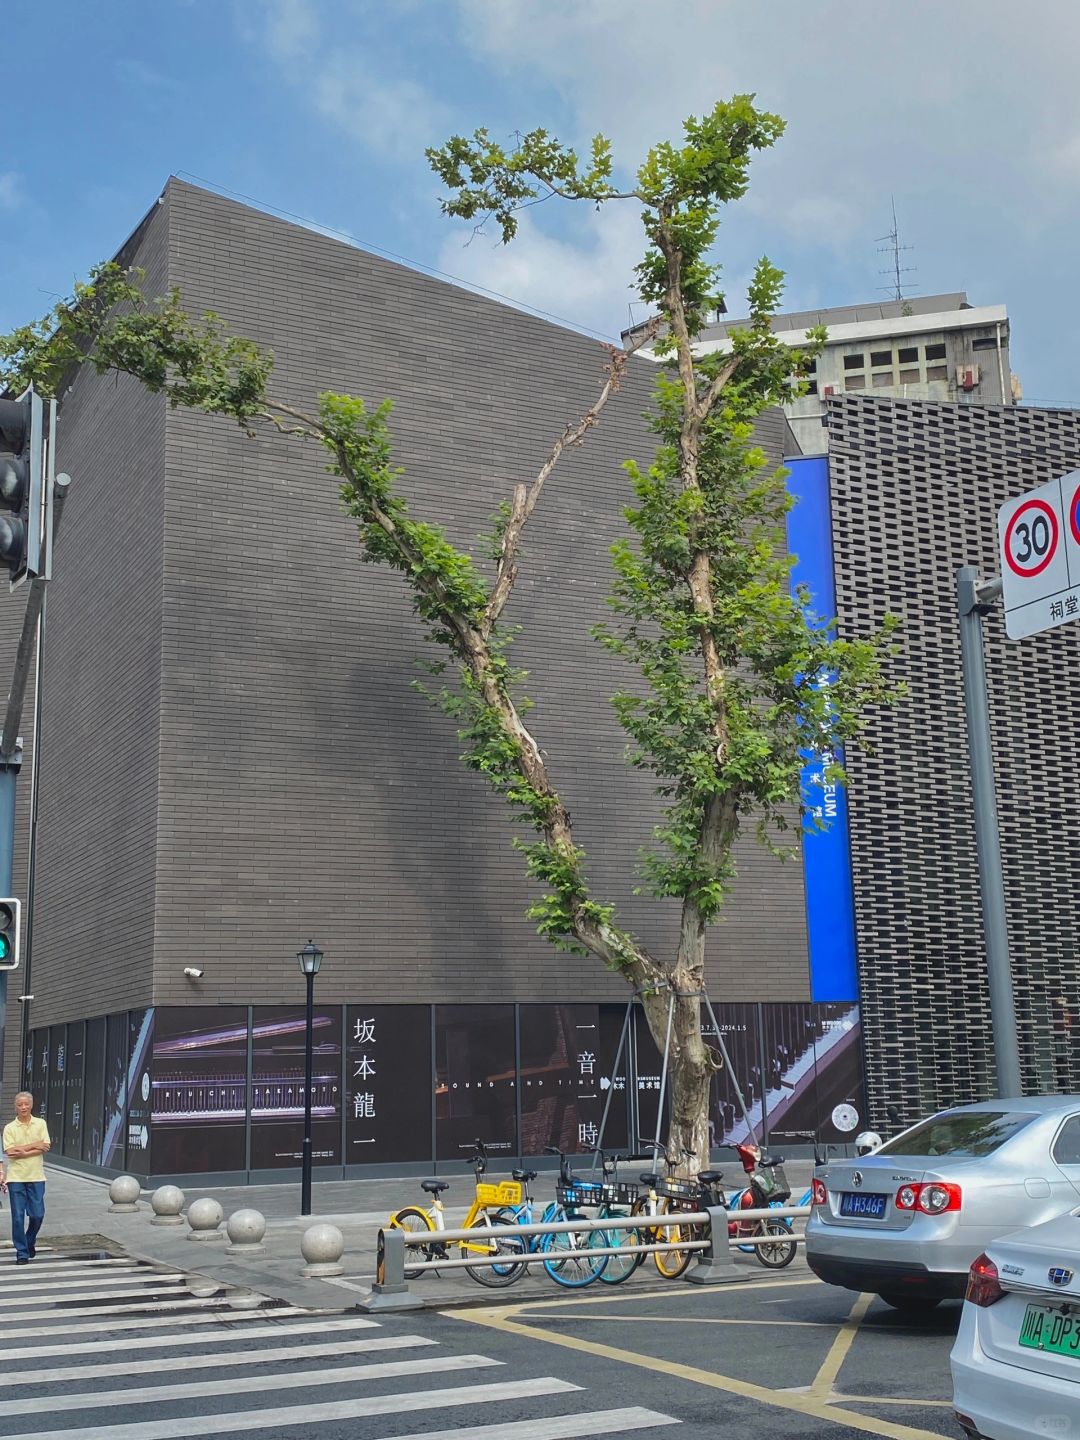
column 912, row 1304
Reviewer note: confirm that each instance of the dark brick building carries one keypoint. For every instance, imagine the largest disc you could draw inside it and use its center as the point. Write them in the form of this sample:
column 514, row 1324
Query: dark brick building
column 233, row 759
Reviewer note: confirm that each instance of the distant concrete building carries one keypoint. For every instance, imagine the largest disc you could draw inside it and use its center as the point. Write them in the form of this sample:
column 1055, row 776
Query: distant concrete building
column 935, row 347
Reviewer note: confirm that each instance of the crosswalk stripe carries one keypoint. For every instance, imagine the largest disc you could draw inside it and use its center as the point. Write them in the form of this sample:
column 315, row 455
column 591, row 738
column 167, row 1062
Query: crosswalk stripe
column 217, row 1361
column 558, row 1427
column 36, row 1274
column 306, row 1415
column 248, row 1384
column 62, row 1289
column 192, row 1302
column 44, row 1262
column 244, row 1318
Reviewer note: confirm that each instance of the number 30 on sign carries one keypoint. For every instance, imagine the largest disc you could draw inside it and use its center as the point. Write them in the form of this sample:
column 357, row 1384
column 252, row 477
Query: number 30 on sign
column 1039, row 544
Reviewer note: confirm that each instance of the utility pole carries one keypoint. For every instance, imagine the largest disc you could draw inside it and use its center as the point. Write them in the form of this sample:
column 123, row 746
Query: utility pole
column 977, row 598
column 30, row 497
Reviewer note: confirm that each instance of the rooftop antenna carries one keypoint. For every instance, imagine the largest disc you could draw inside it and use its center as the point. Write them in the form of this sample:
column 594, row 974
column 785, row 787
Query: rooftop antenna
column 895, row 270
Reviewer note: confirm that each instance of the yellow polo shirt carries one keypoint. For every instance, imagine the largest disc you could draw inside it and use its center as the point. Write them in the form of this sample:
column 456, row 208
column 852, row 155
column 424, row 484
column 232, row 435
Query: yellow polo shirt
column 25, row 1167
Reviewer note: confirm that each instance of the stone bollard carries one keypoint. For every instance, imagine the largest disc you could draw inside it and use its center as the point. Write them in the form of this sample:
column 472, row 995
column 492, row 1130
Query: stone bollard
column 201, row 1286
column 246, row 1229
column 238, row 1299
column 166, row 1202
column 322, row 1247
column 124, row 1193
column 204, row 1216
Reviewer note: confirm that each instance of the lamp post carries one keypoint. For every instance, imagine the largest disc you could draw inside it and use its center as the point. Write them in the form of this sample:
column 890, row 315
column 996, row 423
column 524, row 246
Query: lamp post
column 309, row 959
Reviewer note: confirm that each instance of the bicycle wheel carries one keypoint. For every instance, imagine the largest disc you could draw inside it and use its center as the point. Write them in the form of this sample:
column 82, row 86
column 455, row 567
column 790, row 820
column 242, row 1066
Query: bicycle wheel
column 497, row 1275
column 672, row 1263
column 645, row 1236
column 620, row 1267
column 416, row 1221
column 568, row 1257
column 781, row 1251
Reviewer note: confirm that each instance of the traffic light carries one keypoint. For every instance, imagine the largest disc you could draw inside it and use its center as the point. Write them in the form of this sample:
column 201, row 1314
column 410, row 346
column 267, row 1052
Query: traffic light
column 9, row 934
column 22, row 455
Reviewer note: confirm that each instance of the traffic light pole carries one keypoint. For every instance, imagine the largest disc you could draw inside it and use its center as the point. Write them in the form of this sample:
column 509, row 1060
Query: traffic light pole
column 976, row 598
column 55, row 487
column 9, row 773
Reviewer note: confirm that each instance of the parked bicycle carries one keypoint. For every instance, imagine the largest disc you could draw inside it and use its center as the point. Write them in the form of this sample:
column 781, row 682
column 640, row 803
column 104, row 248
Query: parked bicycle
column 664, row 1194
column 617, row 1201
column 567, row 1256
column 488, row 1201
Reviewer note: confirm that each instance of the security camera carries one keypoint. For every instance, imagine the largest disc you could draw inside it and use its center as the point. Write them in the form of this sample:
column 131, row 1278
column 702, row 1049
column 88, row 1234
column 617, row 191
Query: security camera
column 24, row 999
column 193, row 972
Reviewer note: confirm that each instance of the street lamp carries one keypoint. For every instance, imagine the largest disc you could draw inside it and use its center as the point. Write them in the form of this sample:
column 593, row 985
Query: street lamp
column 309, row 959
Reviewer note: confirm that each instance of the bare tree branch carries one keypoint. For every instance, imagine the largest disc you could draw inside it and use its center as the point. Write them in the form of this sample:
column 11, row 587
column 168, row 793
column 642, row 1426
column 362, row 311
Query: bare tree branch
column 526, row 497
column 712, row 395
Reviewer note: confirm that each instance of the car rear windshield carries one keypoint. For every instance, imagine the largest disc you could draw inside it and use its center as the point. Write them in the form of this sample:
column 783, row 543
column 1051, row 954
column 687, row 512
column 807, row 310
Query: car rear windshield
column 973, row 1133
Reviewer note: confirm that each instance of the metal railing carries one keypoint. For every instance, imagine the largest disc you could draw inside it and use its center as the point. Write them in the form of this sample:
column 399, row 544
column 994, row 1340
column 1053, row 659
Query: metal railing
column 715, row 1265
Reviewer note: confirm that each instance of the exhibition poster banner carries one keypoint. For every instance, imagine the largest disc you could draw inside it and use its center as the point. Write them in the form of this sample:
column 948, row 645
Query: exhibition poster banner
column 387, row 1084
column 199, row 1089
column 277, row 1086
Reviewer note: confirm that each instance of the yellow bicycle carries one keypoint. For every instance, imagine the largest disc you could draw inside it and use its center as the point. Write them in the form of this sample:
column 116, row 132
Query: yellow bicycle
column 665, row 1194
column 488, row 1197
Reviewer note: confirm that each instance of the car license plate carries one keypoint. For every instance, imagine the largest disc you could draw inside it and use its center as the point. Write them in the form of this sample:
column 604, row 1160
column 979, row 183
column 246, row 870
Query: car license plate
column 1050, row 1330
column 866, row 1207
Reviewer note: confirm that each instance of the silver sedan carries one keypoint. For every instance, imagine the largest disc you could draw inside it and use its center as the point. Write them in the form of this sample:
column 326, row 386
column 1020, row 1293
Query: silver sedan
column 906, row 1221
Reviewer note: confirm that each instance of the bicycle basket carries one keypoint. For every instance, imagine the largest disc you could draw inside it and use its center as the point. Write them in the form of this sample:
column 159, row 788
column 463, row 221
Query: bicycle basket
column 582, row 1192
column 770, row 1185
column 674, row 1189
column 507, row 1192
column 620, row 1193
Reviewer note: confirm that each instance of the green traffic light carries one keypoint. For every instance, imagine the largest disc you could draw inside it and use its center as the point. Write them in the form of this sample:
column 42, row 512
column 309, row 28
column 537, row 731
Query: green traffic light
column 5, row 947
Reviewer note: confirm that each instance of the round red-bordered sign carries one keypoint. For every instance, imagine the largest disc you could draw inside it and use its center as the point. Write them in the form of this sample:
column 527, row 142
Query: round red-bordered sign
column 1074, row 515
column 1030, row 560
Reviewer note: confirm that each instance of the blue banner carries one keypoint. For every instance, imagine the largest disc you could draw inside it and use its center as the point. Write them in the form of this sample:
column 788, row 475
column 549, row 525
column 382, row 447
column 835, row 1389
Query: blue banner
column 830, row 901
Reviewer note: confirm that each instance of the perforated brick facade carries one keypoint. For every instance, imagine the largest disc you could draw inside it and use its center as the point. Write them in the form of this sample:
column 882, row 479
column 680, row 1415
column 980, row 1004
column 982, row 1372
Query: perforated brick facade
column 915, row 491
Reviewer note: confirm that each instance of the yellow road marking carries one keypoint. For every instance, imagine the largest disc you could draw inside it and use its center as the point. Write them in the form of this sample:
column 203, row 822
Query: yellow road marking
column 892, row 1400
column 801, row 1404
column 825, row 1378
column 674, row 1292
column 696, row 1320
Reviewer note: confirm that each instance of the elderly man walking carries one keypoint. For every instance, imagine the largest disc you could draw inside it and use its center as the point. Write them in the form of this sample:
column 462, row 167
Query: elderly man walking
column 26, row 1141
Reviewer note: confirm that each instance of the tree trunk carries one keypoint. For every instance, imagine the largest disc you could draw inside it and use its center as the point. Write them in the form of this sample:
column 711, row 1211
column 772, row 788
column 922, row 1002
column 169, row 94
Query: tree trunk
column 690, row 1069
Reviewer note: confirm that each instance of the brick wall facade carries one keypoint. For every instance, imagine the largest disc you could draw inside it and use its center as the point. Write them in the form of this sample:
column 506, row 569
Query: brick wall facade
column 235, row 759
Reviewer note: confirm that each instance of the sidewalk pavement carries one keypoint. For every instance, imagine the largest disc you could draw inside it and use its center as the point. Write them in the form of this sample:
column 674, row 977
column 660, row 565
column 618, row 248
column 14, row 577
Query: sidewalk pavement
column 78, row 1217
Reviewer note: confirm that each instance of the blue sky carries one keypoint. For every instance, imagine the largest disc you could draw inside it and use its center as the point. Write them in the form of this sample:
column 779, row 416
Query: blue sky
column 968, row 115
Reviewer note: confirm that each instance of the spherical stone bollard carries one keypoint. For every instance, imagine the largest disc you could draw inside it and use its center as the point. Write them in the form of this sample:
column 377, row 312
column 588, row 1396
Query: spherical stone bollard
column 243, row 1299
column 124, row 1193
column 204, row 1216
column 166, row 1202
column 322, row 1247
column 201, row 1286
column 246, row 1229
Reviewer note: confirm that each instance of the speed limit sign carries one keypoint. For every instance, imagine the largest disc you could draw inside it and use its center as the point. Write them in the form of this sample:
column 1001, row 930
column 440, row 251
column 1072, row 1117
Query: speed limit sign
column 1039, row 542
column 1031, row 538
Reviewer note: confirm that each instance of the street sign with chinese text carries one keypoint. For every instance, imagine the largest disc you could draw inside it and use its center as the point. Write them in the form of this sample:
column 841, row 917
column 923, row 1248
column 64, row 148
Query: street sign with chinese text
column 1039, row 545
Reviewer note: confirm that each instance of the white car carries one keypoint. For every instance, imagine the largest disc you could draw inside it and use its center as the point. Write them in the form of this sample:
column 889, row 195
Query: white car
column 1016, row 1361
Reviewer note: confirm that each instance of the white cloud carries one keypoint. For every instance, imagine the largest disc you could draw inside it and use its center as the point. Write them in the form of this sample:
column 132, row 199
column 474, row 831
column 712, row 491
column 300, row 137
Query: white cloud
column 10, row 190
column 393, row 116
column 287, row 30
column 588, row 282
column 1063, row 160
column 359, row 91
